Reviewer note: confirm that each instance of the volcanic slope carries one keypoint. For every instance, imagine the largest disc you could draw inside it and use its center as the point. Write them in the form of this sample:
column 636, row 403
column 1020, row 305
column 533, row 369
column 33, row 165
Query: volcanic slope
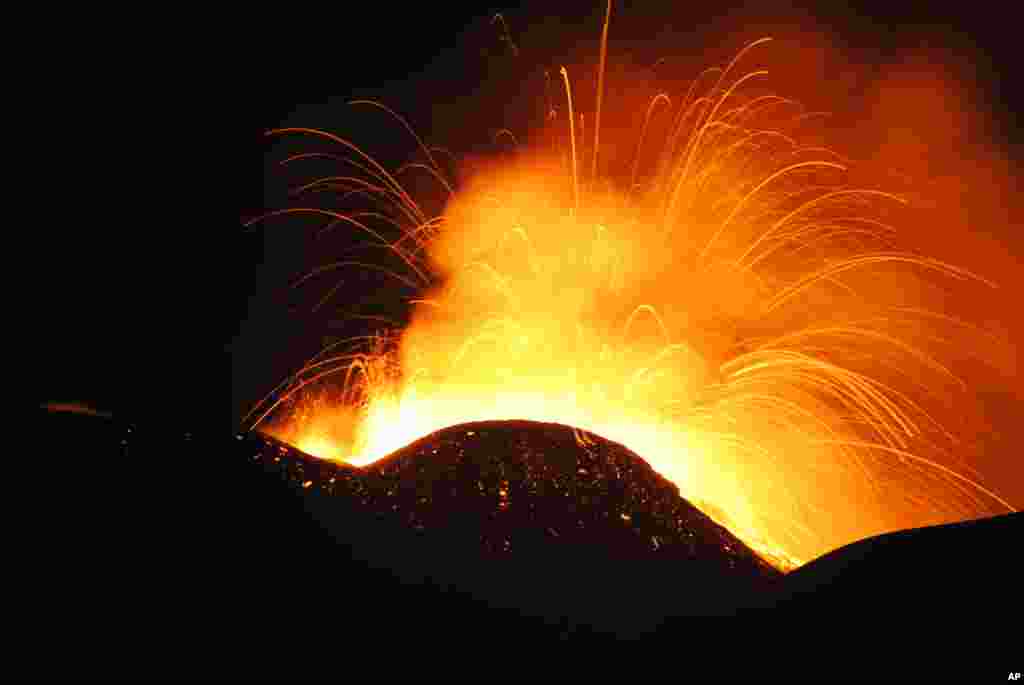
column 534, row 517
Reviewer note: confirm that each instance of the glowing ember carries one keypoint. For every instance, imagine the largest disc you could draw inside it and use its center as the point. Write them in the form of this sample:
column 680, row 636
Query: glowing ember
column 741, row 314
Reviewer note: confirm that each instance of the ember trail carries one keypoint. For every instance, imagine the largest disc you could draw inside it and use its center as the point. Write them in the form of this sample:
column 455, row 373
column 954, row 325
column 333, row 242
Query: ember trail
column 731, row 306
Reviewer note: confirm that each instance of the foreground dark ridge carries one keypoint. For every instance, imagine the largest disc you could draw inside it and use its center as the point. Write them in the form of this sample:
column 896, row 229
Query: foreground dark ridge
column 283, row 555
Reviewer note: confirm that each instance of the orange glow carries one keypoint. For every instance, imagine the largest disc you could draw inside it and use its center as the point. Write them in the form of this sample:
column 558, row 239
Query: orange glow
column 735, row 306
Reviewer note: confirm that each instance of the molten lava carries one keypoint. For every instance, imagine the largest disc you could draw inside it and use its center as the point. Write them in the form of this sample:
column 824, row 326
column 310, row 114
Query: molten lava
column 734, row 308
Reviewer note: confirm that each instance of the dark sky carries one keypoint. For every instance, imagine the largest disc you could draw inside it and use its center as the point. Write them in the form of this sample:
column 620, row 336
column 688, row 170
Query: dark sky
column 153, row 279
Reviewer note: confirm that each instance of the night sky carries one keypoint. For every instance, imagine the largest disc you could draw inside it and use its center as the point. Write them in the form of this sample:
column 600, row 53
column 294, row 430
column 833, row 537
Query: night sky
column 160, row 307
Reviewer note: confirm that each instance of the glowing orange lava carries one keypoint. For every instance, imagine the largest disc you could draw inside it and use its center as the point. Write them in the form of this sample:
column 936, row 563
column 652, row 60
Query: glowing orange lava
column 741, row 314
